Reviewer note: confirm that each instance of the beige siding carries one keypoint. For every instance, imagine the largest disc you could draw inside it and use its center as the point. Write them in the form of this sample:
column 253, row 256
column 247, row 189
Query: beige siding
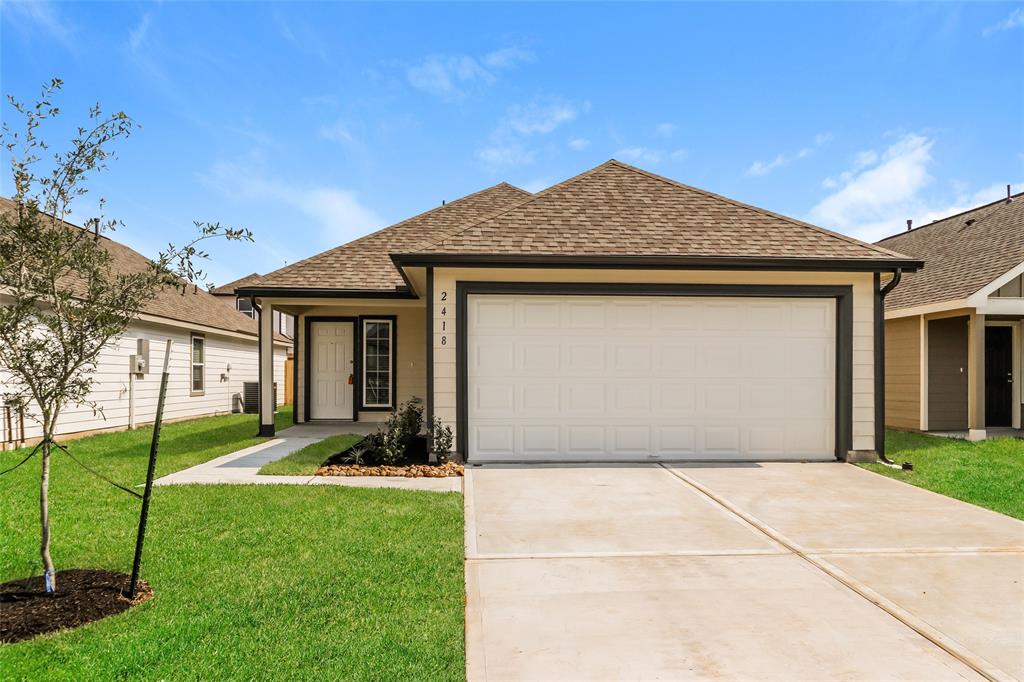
column 411, row 369
column 863, row 320
column 111, row 389
column 903, row 373
column 1012, row 289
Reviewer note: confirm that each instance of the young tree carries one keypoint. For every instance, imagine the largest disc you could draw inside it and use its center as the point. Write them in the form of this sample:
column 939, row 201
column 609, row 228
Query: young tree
column 62, row 301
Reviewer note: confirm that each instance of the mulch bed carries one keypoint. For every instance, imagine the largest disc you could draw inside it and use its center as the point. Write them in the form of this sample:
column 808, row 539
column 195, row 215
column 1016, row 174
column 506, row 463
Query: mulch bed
column 83, row 595
column 406, row 471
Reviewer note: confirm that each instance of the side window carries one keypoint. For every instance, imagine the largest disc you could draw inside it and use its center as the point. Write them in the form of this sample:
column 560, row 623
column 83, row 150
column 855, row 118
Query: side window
column 244, row 306
column 198, row 364
column 378, row 374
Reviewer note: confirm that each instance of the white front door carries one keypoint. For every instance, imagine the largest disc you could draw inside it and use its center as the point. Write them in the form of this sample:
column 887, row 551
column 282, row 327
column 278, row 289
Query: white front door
column 331, row 394
column 644, row 377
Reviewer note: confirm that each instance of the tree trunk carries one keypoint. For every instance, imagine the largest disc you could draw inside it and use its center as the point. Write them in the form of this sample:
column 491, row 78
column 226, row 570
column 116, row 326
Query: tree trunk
column 49, row 576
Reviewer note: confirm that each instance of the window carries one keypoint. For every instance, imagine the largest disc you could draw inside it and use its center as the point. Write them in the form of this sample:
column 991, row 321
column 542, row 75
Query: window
column 378, row 373
column 198, row 364
column 244, row 306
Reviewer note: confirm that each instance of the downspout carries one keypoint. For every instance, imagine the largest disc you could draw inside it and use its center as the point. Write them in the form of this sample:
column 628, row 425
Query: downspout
column 880, row 374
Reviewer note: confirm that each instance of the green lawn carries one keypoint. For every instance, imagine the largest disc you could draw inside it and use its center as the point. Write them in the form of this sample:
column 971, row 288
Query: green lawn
column 251, row 582
column 988, row 473
column 306, row 461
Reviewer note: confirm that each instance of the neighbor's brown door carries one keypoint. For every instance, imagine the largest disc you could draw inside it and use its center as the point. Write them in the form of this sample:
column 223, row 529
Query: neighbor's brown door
column 947, row 374
column 998, row 376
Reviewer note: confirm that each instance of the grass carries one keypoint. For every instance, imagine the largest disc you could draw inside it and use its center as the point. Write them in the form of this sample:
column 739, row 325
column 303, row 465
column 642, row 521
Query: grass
column 251, row 582
column 987, row 473
column 306, row 461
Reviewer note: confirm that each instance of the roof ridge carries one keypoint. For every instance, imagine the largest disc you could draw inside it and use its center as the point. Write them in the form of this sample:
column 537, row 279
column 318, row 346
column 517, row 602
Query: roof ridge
column 393, row 226
column 536, row 195
column 756, row 209
column 1001, row 200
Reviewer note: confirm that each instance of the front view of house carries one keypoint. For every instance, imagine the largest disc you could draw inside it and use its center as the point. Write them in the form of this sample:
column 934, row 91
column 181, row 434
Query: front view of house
column 617, row 316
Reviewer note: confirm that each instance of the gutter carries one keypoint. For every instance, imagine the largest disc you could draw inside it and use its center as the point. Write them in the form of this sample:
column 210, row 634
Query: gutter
column 897, row 275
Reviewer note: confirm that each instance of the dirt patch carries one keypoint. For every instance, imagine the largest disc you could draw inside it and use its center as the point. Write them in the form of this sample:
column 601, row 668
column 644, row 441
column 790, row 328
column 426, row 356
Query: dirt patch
column 83, row 595
column 405, row 471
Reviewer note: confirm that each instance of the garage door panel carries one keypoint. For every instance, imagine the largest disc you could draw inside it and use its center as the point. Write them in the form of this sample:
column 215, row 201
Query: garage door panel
column 617, row 378
column 675, row 441
column 538, row 356
column 675, row 359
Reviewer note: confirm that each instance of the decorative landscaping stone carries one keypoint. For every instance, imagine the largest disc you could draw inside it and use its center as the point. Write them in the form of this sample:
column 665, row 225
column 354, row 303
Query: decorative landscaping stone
column 406, row 471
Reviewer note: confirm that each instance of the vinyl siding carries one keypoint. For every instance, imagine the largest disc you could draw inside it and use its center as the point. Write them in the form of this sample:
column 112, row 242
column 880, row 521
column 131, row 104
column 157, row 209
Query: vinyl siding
column 903, row 373
column 863, row 321
column 111, row 388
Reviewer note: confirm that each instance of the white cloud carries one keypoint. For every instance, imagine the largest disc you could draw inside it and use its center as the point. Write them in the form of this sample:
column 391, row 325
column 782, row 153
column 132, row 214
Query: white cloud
column 758, row 168
column 338, row 212
column 578, row 144
column 1015, row 20
column 506, row 145
column 649, row 156
column 876, row 196
column 337, row 132
column 505, row 154
column 507, row 57
column 448, row 75
column 41, row 15
column 665, row 129
column 137, row 35
column 540, row 118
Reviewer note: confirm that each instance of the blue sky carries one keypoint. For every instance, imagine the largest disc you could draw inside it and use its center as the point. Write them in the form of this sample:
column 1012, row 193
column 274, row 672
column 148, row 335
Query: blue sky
column 312, row 124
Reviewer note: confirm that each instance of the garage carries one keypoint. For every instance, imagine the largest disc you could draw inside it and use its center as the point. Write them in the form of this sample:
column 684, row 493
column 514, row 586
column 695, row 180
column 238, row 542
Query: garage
column 612, row 377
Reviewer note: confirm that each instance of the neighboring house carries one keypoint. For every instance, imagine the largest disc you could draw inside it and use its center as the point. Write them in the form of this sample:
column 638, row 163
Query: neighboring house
column 618, row 315
column 953, row 330
column 283, row 322
column 214, row 352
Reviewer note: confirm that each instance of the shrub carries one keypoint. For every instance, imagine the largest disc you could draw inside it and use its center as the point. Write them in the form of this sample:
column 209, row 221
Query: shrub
column 441, row 440
column 393, row 442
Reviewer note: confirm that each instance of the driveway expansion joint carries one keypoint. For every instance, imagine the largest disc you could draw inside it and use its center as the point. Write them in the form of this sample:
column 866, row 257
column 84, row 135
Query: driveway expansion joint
column 950, row 646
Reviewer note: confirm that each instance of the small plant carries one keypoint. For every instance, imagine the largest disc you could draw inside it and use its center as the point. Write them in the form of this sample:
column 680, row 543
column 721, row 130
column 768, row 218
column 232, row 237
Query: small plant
column 441, row 441
column 357, row 454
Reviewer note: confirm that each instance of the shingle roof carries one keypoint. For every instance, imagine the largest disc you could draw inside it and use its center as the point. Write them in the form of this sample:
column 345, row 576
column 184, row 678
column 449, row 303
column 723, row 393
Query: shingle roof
column 195, row 306
column 962, row 253
column 619, row 210
column 229, row 288
column 364, row 264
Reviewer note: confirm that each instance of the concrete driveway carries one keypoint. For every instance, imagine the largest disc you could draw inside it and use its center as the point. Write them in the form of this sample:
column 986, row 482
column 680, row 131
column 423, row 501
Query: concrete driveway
column 743, row 571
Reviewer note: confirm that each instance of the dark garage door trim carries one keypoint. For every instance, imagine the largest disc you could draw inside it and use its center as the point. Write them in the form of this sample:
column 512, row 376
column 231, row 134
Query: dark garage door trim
column 844, row 332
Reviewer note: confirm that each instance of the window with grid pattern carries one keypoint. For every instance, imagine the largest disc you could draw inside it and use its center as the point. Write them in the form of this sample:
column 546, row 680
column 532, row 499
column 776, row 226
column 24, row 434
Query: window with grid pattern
column 377, row 365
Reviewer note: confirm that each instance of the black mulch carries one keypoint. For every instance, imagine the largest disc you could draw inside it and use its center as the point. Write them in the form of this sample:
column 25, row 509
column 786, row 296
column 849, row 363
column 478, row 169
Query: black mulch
column 82, row 596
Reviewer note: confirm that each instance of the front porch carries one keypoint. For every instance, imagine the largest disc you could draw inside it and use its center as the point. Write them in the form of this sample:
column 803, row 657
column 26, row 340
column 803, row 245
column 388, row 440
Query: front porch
column 356, row 360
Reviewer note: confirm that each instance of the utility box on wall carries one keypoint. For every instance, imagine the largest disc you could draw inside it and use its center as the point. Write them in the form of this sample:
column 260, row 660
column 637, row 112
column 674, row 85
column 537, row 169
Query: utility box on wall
column 139, row 363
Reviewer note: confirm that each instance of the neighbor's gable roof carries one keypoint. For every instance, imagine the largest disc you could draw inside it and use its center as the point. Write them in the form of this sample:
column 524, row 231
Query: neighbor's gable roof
column 618, row 210
column 193, row 306
column 365, row 264
column 229, row 288
column 963, row 253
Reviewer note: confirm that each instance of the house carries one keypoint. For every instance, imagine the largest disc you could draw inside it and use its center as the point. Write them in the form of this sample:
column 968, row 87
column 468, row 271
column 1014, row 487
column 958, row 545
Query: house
column 953, row 329
column 618, row 315
column 214, row 353
column 284, row 323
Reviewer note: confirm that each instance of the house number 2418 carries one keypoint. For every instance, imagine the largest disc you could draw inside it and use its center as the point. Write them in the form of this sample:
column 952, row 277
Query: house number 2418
column 444, row 323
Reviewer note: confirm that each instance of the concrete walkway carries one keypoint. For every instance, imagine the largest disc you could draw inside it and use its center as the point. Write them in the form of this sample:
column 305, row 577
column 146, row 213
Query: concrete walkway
column 242, row 467
column 747, row 571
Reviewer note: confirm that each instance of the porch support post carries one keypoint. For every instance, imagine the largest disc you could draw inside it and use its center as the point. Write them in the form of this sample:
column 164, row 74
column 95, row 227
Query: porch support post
column 976, row 377
column 266, row 360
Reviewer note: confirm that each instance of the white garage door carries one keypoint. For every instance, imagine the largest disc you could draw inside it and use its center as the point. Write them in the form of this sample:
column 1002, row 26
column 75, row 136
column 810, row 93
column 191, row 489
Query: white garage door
column 567, row 378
